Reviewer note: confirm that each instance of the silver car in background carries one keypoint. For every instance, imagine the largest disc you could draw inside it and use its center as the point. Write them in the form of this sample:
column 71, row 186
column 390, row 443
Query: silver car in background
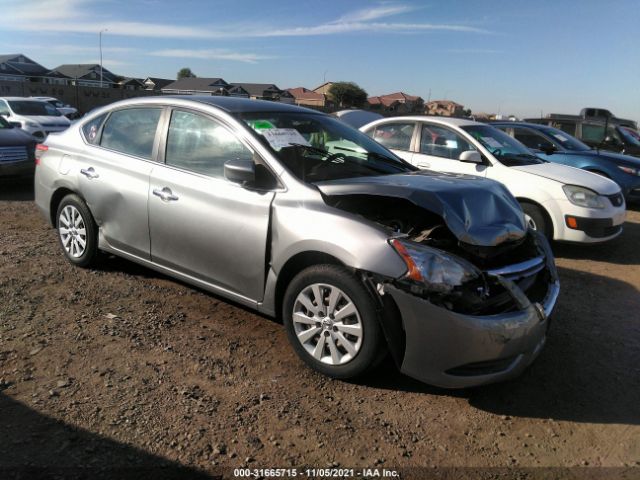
column 292, row 213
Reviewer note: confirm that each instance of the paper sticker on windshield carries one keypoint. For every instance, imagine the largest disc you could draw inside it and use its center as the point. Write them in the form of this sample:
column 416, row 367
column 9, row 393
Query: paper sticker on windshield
column 283, row 137
column 560, row 137
column 491, row 142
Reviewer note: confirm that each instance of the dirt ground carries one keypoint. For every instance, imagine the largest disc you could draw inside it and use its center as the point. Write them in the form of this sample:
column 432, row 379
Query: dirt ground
column 122, row 370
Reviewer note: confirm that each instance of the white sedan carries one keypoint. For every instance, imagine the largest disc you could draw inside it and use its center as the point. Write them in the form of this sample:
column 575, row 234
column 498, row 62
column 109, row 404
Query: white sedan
column 564, row 203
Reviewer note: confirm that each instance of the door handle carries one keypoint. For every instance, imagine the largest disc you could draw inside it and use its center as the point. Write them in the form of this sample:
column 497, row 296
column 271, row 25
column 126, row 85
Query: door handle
column 165, row 194
column 89, row 172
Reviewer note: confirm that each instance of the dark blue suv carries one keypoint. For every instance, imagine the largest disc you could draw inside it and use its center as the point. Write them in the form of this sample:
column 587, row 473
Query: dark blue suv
column 557, row 146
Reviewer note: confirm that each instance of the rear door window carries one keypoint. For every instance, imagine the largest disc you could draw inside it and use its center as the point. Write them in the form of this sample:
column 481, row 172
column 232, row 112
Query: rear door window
column 131, row 131
column 394, row 135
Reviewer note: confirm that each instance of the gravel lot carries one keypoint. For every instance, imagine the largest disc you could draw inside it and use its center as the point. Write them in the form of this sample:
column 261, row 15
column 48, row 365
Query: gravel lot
column 124, row 368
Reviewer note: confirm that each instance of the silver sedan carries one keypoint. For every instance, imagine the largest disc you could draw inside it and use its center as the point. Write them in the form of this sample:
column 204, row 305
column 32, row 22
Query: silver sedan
column 288, row 211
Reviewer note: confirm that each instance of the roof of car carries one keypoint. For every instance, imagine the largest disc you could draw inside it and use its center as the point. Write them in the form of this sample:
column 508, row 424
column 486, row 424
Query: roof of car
column 506, row 123
column 447, row 120
column 242, row 105
column 29, row 99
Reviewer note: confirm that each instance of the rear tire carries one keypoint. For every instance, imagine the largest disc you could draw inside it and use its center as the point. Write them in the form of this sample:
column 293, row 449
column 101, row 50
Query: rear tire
column 77, row 231
column 536, row 219
column 332, row 323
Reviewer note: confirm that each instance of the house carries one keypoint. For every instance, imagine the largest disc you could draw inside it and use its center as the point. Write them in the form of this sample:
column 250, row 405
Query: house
column 155, row 83
column 19, row 68
column 198, row 86
column 324, row 88
column 87, row 75
column 304, row 96
column 129, row 83
column 398, row 102
column 444, row 108
column 266, row 91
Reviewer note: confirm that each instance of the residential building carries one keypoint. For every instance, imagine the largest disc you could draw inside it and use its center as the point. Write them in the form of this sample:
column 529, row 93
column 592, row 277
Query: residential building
column 131, row 84
column 155, row 83
column 324, row 88
column 398, row 102
column 87, row 75
column 19, row 68
column 266, row 91
column 201, row 86
column 444, row 108
column 304, row 96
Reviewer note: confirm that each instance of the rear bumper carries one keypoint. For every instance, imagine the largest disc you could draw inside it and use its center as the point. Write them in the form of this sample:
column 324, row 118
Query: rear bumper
column 453, row 350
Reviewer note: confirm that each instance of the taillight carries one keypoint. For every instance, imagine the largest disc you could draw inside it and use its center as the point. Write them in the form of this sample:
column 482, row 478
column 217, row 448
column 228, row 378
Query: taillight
column 40, row 149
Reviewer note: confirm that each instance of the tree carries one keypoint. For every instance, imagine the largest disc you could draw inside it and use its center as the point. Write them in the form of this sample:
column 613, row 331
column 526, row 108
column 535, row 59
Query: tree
column 347, row 94
column 185, row 73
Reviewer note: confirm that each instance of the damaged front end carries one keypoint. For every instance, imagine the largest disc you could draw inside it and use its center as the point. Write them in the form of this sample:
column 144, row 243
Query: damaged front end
column 463, row 325
column 473, row 305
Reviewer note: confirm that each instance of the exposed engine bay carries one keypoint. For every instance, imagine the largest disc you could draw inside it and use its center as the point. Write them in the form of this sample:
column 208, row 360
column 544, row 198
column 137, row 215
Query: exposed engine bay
column 481, row 292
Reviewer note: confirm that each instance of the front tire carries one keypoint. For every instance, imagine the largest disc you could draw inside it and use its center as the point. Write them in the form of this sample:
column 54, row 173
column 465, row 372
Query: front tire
column 77, row 231
column 331, row 321
column 536, row 219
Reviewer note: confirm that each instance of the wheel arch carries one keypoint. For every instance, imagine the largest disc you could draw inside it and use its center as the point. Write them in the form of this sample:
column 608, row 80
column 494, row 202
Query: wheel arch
column 56, row 198
column 544, row 211
column 295, row 265
column 598, row 171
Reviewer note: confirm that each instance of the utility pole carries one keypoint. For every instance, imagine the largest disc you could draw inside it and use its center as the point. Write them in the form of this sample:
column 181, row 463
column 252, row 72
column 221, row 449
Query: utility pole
column 100, row 41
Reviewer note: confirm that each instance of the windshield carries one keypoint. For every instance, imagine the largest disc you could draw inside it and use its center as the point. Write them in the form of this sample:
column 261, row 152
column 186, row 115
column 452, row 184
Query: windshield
column 564, row 139
column 630, row 135
column 319, row 148
column 30, row 107
column 504, row 148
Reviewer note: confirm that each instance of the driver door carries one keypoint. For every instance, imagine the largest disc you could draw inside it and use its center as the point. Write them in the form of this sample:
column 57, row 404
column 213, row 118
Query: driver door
column 439, row 149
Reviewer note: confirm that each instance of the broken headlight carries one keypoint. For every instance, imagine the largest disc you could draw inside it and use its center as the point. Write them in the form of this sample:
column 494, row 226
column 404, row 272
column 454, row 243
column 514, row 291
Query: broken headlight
column 433, row 268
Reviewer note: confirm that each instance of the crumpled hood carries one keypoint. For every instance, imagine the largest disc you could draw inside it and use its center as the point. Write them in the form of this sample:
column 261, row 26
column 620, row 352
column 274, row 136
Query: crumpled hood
column 478, row 211
column 572, row 176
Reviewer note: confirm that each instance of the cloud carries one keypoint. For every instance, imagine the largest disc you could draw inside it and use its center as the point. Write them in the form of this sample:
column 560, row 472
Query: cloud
column 74, row 17
column 373, row 13
column 215, row 54
column 474, row 50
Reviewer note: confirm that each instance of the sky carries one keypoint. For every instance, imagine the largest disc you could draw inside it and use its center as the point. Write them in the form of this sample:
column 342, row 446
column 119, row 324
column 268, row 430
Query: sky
column 518, row 57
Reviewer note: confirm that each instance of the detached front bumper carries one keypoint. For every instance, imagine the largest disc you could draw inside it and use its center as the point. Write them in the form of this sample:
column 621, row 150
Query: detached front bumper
column 453, row 350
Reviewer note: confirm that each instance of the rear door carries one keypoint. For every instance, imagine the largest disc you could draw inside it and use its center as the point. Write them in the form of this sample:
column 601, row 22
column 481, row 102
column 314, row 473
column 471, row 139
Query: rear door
column 202, row 225
column 439, row 148
column 113, row 175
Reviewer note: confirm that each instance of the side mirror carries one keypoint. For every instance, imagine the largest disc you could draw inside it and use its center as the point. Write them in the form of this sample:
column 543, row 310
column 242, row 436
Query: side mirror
column 470, row 156
column 15, row 124
column 240, row 171
column 609, row 140
column 547, row 149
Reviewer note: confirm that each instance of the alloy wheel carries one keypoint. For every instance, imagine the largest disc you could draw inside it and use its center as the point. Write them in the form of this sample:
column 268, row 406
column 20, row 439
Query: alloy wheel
column 327, row 324
column 72, row 231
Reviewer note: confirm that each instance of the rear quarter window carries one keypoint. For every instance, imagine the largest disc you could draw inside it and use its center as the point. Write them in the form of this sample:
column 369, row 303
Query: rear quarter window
column 91, row 130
